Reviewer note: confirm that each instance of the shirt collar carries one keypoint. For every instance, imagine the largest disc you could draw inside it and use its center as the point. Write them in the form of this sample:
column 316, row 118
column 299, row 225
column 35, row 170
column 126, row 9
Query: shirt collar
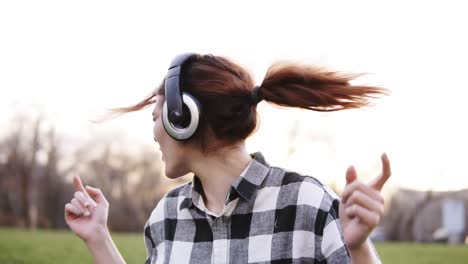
column 244, row 186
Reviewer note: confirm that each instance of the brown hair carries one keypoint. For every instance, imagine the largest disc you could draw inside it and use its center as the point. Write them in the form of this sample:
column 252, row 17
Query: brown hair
column 224, row 89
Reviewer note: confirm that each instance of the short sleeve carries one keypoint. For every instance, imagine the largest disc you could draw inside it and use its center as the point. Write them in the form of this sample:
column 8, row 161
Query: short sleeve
column 333, row 248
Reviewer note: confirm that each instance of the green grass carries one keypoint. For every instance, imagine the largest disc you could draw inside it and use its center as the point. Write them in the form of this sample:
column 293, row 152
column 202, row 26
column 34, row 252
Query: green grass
column 22, row 246
column 422, row 253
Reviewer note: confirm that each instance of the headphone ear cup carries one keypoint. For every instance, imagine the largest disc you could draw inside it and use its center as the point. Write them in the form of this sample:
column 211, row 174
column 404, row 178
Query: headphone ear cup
column 191, row 119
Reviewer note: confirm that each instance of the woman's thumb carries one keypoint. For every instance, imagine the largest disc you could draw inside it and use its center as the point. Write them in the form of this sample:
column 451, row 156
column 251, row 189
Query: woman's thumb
column 96, row 194
column 350, row 175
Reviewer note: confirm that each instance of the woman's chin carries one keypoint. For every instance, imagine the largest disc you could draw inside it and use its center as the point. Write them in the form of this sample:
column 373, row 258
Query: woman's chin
column 172, row 173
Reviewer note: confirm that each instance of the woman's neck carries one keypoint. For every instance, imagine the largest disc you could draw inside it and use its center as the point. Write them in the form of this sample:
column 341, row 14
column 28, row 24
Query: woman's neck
column 217, row 172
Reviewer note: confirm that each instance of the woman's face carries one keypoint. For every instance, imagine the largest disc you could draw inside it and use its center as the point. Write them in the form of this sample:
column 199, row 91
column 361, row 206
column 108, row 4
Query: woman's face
column 175, row 153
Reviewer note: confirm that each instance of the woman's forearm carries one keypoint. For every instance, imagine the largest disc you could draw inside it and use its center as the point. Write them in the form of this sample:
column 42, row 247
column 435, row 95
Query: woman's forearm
column 366, row 254
column 103, row 249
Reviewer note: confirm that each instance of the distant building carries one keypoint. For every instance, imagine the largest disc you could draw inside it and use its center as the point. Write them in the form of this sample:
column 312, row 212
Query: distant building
column 427, row 216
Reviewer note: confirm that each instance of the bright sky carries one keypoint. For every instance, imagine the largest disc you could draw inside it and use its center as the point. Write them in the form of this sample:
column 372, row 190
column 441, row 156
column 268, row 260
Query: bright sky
column 72, row 59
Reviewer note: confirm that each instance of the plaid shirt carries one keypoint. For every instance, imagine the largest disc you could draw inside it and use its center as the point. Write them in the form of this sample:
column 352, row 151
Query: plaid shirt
column 270, row 216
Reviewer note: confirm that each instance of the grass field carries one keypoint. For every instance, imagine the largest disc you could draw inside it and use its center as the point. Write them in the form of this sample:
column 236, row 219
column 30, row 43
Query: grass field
column 21, row 246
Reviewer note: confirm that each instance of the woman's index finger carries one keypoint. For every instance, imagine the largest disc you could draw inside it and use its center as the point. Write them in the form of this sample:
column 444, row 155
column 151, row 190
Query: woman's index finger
column 78, row 184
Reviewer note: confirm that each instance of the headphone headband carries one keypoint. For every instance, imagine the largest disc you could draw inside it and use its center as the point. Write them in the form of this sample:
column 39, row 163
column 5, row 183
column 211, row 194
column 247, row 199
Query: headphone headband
column 180, row 59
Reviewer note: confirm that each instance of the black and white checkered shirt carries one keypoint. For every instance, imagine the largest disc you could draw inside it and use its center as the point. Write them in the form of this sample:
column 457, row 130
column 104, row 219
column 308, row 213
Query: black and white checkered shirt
column 270, row 216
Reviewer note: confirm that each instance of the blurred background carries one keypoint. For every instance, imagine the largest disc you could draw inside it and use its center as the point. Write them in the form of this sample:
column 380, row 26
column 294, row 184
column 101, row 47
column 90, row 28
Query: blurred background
column 63, row 63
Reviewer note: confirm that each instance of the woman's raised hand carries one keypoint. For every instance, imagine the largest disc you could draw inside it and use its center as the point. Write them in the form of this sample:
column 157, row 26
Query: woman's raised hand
column 86, row 214
column 362, row 205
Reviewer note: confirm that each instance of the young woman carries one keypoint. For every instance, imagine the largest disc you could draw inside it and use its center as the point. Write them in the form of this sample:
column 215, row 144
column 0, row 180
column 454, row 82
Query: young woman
column 238, row 208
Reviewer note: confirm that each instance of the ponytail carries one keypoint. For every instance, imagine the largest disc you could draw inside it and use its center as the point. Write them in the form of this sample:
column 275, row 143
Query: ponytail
column 313, row 88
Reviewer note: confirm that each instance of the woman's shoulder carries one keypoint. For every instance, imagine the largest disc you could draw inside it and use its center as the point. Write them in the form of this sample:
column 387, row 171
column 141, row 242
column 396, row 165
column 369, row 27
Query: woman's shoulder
column 165, row 210
column 307, row 189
